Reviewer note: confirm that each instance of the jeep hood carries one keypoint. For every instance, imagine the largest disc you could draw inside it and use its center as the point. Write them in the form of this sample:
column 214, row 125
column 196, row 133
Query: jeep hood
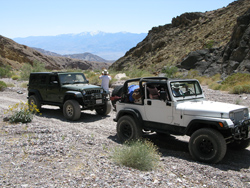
column 207, row 108
column 80, row 87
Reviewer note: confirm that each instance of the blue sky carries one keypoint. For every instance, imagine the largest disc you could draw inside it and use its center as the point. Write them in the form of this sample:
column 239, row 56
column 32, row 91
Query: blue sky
column 23, row 18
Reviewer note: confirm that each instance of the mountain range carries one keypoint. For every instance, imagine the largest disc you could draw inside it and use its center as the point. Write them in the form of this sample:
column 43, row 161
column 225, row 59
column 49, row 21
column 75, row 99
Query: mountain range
column 109, row 46
column 16, row 55
column 83, row 56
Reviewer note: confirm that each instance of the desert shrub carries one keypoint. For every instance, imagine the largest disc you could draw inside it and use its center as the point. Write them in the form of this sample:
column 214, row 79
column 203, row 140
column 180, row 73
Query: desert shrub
column 236, row 78
column 192, row 74
column 209, row 44
column 140, row 154
column 5, row 71
column 236, row 89
column 27, row 69
column 15, row 77
column 21, row 112
column 137, row 73
column 237, row 83
column 170, row 71
column 93, row 77
column 24, row 84
column 214, row 86
column 3, row 85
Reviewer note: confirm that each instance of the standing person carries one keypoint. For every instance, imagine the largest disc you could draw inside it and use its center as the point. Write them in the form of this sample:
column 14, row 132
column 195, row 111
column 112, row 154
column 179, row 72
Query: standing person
column 105, row 80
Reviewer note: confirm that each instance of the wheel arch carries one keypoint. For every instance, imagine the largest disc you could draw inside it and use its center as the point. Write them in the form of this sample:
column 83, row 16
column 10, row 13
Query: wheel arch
column 132, row 112
column 35, row 92
column 72, row 95
column 196, row 124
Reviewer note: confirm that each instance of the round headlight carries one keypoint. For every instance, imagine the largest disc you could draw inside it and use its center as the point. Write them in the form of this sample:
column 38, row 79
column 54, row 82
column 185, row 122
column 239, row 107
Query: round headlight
column 83, row 92
column 231, row 115
column 246, row 114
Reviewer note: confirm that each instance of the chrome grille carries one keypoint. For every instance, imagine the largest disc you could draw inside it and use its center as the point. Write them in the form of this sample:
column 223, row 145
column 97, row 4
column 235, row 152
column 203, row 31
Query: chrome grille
column 238, row 116
column 89, row 92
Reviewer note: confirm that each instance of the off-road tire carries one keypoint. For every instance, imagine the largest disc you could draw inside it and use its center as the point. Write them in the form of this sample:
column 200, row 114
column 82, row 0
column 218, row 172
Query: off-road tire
column 240, row 145
column 128, row 129
column 116, row 92
column 207, row 145
column 71, row 110
column 105, row 110
column 33, row 100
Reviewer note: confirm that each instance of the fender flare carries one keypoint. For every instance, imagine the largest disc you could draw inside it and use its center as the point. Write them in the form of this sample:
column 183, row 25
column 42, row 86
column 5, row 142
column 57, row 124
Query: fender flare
column 195, row 124
column 35, row 92
column 132, row 112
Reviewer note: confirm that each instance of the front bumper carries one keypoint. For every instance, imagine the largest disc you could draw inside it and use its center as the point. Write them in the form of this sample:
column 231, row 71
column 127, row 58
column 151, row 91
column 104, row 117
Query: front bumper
column 242, row 130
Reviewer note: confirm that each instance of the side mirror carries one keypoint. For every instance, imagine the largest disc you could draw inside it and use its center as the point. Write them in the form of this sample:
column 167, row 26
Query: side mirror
column 87, row 81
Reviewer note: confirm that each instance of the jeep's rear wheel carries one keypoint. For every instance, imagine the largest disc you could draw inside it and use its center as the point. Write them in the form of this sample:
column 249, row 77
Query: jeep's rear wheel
column 207, row 145
column 105, row 110
column 128, row 129
column 71, row 110
column 33, row 100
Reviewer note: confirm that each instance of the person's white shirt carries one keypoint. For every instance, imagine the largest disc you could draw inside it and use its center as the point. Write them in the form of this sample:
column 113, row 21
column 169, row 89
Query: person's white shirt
column 105, row 81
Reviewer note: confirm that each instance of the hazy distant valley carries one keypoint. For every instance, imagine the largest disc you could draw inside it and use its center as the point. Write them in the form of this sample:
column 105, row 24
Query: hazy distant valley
column 109, row 46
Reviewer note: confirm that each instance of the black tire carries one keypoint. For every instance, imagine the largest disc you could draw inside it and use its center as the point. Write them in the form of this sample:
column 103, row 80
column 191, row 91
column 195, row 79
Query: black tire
column 33, row 100
column 105, row 110
column 71, row 110
column 239, row 145
column 128, row 129
column 207, row 145
column 116, row 92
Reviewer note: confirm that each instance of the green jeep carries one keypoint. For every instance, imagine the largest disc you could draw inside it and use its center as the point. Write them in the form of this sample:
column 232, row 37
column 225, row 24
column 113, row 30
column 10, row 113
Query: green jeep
column 69, row 91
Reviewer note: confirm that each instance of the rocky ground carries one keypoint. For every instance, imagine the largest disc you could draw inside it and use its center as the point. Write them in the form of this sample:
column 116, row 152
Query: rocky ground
column 53, row 152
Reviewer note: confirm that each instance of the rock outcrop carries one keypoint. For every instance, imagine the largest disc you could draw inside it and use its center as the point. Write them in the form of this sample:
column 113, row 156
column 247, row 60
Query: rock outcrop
column 232, row 58
column 210, row 42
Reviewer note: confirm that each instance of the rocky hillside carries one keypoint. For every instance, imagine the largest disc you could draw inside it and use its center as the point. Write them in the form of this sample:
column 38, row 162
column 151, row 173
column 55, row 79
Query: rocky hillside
column 15, row 55
column 210, row 42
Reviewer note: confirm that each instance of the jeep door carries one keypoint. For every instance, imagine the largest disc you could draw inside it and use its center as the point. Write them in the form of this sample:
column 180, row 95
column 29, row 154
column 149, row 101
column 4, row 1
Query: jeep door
column 158, row 109
column 54, row 93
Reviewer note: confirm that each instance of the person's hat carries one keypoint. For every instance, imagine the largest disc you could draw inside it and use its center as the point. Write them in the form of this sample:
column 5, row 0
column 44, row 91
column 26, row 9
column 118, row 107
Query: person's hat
column 105, row 72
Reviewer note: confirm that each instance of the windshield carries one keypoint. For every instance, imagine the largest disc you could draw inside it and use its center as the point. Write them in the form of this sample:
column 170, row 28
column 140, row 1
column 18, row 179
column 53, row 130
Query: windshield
column 185, row 88
column 72, row 78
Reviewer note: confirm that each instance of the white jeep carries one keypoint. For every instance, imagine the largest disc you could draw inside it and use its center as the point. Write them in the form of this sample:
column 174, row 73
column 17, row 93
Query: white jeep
column 178, row 107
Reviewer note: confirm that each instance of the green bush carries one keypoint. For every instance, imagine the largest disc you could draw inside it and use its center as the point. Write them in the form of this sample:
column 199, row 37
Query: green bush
column 135, row 72
column 21, row 112
column 5, row 71
column 209, row 44
column 27, row 69
column 170, row 71
column 3, row 85
column 141, row 155
column 15, row 77
column 236, row 78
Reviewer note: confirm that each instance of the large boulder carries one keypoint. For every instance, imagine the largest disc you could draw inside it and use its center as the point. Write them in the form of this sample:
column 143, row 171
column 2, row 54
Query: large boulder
column 234, row 57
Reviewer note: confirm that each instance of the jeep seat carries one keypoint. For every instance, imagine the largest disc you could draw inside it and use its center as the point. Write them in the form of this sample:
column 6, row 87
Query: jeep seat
column 153, row 92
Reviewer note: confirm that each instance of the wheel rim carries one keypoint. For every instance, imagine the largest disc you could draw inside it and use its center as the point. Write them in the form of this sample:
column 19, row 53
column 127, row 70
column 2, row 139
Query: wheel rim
column 126, row 130
column 32, row 102
column 69, row 110
column 206, row 146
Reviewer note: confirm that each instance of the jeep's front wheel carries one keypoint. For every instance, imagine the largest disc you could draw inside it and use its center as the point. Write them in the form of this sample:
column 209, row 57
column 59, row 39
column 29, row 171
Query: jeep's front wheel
column 33, row 100
column 71, row 110
column 105, row 109
column 207, row 145
column 127, row 129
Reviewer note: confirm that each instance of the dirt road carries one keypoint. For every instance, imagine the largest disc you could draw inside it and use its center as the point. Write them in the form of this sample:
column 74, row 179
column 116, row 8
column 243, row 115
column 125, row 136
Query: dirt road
column 53, row 152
